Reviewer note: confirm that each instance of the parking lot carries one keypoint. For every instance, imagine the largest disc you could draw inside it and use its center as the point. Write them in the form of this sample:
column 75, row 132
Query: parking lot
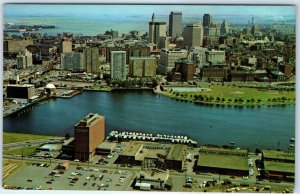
column 38, row 176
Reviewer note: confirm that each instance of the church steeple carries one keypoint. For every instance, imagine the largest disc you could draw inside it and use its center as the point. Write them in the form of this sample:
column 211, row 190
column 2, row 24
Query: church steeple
column 153, row 17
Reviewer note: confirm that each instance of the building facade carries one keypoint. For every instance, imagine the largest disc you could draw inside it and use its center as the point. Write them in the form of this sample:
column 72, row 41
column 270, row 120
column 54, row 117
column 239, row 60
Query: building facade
column 168, row 58
column 175, row 23
column 92, row 62
column 142, row 67
column 89, row 133
column 118, row 65
column 20, row 91
column 73, row 61
column 193, row 35
column 156, row 30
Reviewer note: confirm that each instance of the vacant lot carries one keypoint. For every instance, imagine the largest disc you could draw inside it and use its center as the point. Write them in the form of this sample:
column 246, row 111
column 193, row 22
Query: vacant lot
column 18, row 137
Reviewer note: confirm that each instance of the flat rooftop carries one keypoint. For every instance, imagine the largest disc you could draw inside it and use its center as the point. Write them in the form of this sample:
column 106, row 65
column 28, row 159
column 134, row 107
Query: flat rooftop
column 279, row 166
column 223, row 150
column 132, row 148
column 177, row 152
column 223, row 161
column 155, row 175
column 106, row 145
column 278, row 154
column 89, row 119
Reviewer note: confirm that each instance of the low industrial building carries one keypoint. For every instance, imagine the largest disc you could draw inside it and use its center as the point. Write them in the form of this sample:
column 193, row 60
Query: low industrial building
column 167, row 156
column 106, row 148
column 280, row 165
column 26, row 91
column 223, row 161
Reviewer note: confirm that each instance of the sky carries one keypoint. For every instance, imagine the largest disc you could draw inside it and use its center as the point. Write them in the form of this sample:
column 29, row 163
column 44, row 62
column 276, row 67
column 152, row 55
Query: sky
column 64, row 9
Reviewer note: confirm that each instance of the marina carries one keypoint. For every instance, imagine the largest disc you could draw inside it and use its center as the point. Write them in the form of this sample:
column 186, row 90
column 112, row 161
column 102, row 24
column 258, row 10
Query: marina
column 123, row 136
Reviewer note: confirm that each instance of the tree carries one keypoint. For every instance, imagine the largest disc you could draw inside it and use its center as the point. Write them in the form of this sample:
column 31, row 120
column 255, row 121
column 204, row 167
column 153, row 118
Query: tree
column 218, row 99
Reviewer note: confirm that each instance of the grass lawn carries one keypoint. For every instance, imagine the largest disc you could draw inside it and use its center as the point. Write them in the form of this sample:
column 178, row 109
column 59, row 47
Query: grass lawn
column 26, row 151
column 18, row 137
column 237, row 95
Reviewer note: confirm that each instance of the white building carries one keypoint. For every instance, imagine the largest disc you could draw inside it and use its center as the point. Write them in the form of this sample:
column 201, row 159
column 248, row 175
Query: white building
column 215, row 56
column 168, row 58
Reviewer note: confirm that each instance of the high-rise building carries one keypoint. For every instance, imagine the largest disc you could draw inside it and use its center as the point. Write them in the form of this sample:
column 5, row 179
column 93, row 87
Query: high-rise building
column 156, row 30
column 118, row 65
column 24, row 59
column 224, row 28
column 142, row 66
column 73, row 61
column 89, row 133
column 92, row 59
column 193, row 35
column 112, row 33
column 175, row 22
column 208, row 20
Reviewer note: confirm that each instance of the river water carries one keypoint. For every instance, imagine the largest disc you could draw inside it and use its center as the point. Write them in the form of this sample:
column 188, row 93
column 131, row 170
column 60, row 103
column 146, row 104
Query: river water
column 264, row 127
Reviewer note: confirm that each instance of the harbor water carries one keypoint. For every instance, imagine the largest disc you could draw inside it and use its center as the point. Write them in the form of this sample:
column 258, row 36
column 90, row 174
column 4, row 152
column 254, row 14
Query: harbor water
column 142, row 111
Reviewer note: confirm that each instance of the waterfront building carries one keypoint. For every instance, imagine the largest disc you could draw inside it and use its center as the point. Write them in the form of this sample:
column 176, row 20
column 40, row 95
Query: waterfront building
column 66, row 46
column 168, row 58
column 73, row 61
column 25, row 91
column 186, row 68
column 279, row 164
column 193, row 35
column 156, row 30
column 142, row 66
column 175, row 23
column 89, row 133
column 118, row 65
column 165, row 156
column 91, row 56
column 222, row 161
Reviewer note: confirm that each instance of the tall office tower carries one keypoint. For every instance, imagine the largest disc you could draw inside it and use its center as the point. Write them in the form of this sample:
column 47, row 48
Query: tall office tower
column 92, row 59
column 193, row 35
column 254, row 29
column 89, row 133
column 175, row 22
column 156, row 30
column 28, row 56
column 208, row 20
column 66, row 46
column 224, row 28
column 73, row 61
column 118, row 65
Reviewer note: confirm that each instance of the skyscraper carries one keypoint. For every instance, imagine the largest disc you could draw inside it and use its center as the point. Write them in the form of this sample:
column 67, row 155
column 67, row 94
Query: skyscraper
column 156, row 30
column 175, row 22
column 193, row 35
column 73, row 61
column 92, row 59
column 207, row 20
column 224, row 28
column 118, row 65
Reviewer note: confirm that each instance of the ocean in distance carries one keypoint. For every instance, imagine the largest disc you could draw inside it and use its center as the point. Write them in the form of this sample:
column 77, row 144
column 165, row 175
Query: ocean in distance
column 264, row 127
